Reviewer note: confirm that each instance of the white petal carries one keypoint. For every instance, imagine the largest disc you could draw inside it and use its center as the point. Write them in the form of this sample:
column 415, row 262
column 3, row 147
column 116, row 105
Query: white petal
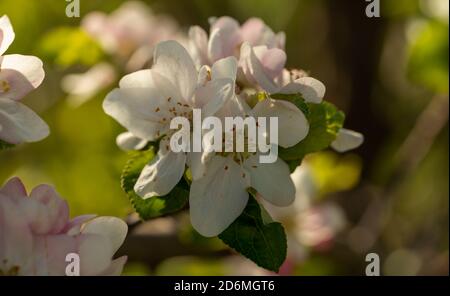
column 19, row 75
column 311, row 89
column 224, row 68
column 161, row 175
column 20, row 124
column 6, row 34
column 254, row 70
column 82, row 87
column 271, row 180
column 110, row 227
column 214, row 95
column 116, row 267
column 95, row 253
column 292, row 124
column 143, row 111
column 236, row 106
column 198, row 45
column 173, row 61
column 127, row 141
column 347, row 140
column 197, row 167
column 218, row 198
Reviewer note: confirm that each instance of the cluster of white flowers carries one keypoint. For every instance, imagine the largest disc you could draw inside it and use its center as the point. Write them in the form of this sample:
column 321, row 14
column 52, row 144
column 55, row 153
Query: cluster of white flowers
column 219, row 75
column 19, row 74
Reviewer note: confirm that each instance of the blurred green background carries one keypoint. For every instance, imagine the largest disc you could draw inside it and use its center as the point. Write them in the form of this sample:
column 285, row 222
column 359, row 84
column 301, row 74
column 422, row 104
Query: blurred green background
column 389, row 74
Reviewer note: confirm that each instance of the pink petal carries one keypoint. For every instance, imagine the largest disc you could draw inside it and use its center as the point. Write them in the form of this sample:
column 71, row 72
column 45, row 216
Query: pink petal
column 46, row 211
column 19, row 75
column 14, row 188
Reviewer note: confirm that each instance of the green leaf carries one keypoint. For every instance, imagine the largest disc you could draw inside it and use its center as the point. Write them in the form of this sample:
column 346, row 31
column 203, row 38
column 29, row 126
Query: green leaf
column 325, row 120
column 264, row 244
column 296, row 99
column 68, row 46
column 4, row 145
column 158, row 205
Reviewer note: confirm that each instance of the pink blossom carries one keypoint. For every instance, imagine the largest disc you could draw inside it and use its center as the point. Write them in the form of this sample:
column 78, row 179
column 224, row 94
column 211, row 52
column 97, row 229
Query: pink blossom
column 36, row 235
column 226, row 37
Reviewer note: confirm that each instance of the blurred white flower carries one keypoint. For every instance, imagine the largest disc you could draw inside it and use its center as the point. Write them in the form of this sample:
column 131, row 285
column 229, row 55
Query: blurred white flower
column 308, row 224
column 82, row 87
column 19, row 74
column 36, row 235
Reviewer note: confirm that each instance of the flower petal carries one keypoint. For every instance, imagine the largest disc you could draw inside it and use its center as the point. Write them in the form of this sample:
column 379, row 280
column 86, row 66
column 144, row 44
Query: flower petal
column 161, row 175
column 19, row 75
column 95, row 253
column 224, row 39
column 127, row 141
column 6, row 34
column 20, row 124
column 224, row 68
column 45, row 211
column 143, row 111
column 14, row 188
column 254, row 70
column 173, row 61
column 347, row 140
column 116, row 267
column 49, row 254
column 218, row 198
column 292, row 124
column 271, row 180
column 198, row 45
column 273, row 61
column 311, row 89
column 16, row 241
column 214, row 95
column 110, row 227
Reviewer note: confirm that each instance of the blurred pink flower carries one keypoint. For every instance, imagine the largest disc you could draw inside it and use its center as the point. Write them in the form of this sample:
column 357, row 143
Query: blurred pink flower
column 19, row 74
column 36, row 235
column 319, row 225
column 131, row 27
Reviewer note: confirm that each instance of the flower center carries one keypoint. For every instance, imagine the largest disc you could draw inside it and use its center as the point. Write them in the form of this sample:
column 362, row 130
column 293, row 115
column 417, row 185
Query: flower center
column 4, row 86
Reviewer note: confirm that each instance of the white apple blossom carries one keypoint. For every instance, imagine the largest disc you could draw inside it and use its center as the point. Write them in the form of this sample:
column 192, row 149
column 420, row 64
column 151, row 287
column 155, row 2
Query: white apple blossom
column 148, row 100
column 19, row 74
column 219, row 190
column 82, row 87
column 36, row 235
